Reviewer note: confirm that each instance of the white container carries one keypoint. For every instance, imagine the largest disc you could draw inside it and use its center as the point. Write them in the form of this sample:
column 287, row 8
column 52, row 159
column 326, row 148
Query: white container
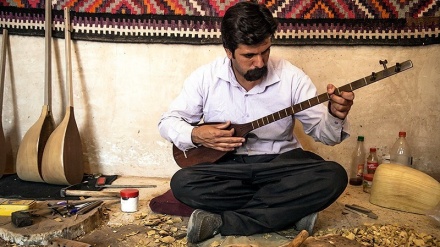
column 129, row 200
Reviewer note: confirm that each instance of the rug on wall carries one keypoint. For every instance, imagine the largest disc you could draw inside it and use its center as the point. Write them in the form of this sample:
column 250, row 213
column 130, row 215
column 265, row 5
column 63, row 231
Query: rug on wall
column 302, row 22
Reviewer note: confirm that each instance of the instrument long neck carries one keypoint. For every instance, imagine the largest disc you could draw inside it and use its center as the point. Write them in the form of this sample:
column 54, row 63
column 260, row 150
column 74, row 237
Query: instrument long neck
column 291, row 110
column 3, row 64
column 67, row 37
column 48, row 60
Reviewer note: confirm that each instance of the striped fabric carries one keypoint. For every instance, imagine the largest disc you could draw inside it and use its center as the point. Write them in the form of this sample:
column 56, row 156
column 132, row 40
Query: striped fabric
column 302, row 22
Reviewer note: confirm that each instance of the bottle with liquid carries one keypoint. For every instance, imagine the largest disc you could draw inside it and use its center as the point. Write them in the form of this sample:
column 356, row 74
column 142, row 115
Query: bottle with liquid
column 372, row 161
column 400, row 152
column 357, row 163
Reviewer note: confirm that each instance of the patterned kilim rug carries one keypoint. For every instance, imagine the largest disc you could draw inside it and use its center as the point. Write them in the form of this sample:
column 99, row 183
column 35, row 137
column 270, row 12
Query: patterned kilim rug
column 302, row 22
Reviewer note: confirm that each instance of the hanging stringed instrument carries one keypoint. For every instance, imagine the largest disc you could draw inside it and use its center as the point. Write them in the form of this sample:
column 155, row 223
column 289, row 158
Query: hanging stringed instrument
column 203, row 154
column 30, row 151
column 62, row 158
column 2, row 87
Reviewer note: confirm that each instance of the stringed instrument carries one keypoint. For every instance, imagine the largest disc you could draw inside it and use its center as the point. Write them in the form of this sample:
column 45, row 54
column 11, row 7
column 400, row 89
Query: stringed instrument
column 30, row 151
column 62, row 158
column 2, row 87
column 207, row 155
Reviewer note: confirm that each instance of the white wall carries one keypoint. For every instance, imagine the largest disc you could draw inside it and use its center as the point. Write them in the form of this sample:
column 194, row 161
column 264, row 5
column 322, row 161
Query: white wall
column 120, row 91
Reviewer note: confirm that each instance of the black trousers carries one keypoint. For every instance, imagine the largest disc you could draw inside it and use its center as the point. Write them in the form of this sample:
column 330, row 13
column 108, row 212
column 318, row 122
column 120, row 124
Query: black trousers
column 264, row 193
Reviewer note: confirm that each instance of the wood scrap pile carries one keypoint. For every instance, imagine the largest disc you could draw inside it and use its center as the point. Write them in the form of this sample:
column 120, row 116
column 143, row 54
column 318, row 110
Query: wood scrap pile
column 166, row 230
column 384, row 235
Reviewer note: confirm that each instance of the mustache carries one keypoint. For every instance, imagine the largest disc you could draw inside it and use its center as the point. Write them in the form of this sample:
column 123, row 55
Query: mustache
column 255, row 74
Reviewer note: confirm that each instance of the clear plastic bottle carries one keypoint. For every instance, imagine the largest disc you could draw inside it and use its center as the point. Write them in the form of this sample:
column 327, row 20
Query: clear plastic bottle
column 372, row 161
column 400, row 152
column 357, row 163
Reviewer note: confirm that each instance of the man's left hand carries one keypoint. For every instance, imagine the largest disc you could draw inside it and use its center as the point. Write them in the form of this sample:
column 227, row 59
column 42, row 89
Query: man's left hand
column 339, row 105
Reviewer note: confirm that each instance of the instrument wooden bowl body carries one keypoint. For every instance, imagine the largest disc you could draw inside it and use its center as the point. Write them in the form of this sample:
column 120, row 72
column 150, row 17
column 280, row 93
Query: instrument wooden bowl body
column 206, row 155
column 404, row 188
column 30, row 151
column 62, row 158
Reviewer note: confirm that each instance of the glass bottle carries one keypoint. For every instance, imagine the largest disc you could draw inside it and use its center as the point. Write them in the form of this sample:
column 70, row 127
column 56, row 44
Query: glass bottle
column 357, row 163
column 372, row 161
column 400, row 152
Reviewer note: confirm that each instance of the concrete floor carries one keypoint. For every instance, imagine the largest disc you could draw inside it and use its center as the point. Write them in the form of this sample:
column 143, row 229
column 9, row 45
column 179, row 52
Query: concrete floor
column 129, row 229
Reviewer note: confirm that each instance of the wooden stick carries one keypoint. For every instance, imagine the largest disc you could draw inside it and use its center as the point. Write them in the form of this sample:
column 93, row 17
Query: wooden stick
column 299, row 239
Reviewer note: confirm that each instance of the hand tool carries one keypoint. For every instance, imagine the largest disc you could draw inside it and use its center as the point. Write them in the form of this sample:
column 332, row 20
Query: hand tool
column 65, row 193
column 24, row 218
column 360, row 211
column 62, row 212
column 100, row 182
column 89, row 206
column 21, row 219
column 80, row 202
column 74, row 190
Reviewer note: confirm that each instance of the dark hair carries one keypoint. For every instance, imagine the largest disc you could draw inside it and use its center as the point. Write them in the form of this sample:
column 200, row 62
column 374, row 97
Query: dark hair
column 247, row 23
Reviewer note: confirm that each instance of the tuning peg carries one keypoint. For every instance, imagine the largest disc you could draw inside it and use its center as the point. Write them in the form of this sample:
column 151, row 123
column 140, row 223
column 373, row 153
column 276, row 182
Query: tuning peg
column 373, row 76
column 384, row 63
column 398, row 67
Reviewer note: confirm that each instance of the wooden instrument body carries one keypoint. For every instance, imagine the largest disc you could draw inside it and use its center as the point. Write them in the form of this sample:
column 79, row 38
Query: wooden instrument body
column 403, row 188
column 62, row 158
column 30, row 151
column 186, row 159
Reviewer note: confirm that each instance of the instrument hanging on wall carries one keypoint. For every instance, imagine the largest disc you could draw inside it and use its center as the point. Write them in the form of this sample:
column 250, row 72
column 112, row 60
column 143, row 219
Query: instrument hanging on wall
column 2, row 87
column 207, row 155
column 62, row 158
column 30, row 151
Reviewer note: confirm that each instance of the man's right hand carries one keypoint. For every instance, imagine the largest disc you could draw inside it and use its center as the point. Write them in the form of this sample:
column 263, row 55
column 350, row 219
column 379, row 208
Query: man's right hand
column 216, row 136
